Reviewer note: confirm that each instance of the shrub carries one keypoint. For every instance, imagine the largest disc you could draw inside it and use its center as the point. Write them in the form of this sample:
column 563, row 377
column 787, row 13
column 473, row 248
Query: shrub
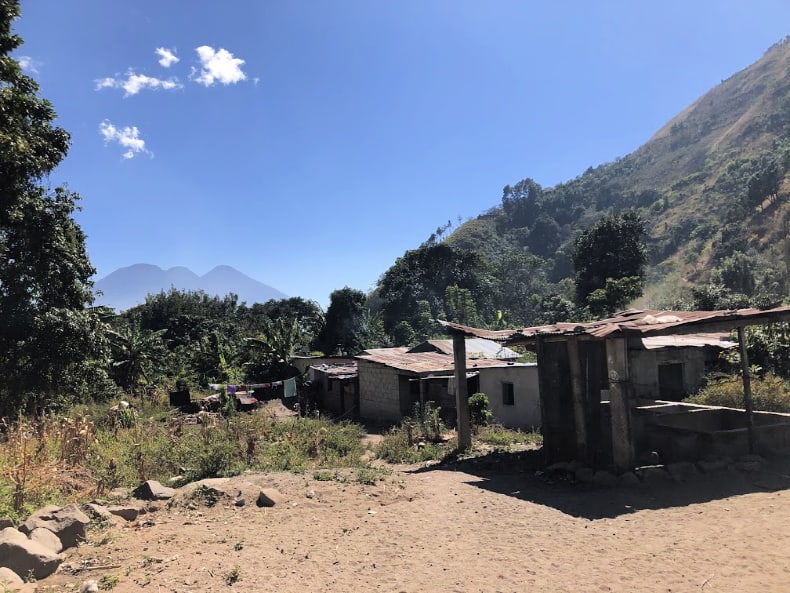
column 479, row 409
column 769, row 393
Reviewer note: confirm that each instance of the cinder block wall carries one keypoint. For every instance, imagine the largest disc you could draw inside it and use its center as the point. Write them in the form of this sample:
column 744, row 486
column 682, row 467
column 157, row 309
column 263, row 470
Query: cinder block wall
column 379, row 397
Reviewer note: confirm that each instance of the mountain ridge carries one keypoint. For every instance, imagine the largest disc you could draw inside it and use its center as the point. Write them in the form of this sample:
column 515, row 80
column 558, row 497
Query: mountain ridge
column 129, row 285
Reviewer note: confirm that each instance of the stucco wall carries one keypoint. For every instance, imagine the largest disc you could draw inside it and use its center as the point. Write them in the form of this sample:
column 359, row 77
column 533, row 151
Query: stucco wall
column 525, row 413
column 643, row 368
column 379, row 395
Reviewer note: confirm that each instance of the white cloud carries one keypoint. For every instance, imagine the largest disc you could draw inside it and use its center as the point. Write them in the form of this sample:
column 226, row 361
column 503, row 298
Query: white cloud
column 127, row 137
column 134, row 83
column 217, row 66
column 167, row 57
column 28, row 64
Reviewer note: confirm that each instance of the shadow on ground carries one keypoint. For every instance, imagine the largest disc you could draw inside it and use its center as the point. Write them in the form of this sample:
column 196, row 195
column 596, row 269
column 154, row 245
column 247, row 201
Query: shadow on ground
column 520, row 475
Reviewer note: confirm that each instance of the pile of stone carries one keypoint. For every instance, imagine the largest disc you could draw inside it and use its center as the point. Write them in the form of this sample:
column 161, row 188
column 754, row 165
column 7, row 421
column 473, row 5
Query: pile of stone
column 34, row 550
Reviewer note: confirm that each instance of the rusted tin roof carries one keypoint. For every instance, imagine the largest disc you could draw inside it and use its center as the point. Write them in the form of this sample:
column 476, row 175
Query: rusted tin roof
column 689, row 341
column 338, row 371
column 642, row 321
column 475, row 348
column 424, row 362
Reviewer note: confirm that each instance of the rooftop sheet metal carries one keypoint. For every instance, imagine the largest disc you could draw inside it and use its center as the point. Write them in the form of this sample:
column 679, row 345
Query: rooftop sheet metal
column 337, row 371
column 475, row 348
column 644, row 321
column 424, row 362
column 689, row 341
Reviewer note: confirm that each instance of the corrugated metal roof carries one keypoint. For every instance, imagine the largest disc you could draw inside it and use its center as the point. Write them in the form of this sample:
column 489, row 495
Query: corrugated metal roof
column 688, row 341
column 646, row 322
column 337, row 371
column 475, row 348
column 424, row 362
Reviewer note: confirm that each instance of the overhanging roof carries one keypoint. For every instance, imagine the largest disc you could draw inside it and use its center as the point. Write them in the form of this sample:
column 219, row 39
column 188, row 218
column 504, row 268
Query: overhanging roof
column 424, row 362
column 646, row 322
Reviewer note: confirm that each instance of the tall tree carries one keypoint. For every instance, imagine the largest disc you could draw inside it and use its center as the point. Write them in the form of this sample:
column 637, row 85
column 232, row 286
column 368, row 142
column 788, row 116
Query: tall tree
column 344, row 329
column 48, row 332
column 605, row 255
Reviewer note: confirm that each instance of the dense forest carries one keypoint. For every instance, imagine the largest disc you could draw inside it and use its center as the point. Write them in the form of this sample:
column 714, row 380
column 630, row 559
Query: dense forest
column 696, row 218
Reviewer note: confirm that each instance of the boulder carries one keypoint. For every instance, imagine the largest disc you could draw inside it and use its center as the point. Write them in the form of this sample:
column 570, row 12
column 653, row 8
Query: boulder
column 682, row 471
column 9, row 580
column 629, row 479
column 98, row 511
column 604, row 478
column 46, row 538
column 127, row 512
column 27, row 557
column 268, row 497
column 11, row 534
column 69, row 523
column 6, row 522
column 153, row 490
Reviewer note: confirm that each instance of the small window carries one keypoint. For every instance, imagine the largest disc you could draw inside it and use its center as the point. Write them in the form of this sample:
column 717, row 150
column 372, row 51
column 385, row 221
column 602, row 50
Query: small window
column 508, row 395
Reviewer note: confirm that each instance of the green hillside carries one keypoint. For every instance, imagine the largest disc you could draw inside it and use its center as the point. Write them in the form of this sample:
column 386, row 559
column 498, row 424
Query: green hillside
column 711, row 185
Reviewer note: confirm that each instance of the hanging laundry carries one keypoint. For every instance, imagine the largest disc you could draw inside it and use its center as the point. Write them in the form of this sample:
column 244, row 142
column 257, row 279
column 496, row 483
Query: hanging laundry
column 231, row 389
column 289, row 387
column 216, row 386
column 277, row 384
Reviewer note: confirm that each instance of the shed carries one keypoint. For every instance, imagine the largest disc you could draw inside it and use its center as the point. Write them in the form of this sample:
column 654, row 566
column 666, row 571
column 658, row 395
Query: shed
column 593, row 376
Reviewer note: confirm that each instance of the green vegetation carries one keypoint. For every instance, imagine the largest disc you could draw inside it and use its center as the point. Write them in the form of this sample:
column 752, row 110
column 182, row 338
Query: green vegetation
column 769, row 393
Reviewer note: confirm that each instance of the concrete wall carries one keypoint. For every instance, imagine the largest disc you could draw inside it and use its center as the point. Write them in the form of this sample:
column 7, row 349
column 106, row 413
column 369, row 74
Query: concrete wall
column 643, row 369
column 525, row 413
column 379, row 392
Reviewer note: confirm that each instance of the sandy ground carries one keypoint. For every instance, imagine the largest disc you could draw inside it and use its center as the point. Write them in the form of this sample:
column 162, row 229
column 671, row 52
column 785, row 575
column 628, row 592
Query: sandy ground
column 483, row 525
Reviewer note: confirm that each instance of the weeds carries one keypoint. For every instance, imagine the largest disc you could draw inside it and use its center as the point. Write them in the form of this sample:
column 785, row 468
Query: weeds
column 769, row 393
column 233, row 576
column 108, row 582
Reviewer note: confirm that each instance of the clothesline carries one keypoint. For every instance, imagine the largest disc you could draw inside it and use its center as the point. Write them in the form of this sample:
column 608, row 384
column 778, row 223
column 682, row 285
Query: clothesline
column 288, row 385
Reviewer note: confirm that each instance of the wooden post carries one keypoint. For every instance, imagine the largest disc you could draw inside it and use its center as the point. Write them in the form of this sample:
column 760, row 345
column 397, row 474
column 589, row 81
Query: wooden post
column 461, row 398
column 619, row 401
column 579, row 408
column 747, row 388
column 422, row 396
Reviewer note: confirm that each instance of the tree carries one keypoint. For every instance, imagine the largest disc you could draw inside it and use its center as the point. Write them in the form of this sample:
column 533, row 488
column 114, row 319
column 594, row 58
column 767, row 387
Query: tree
column 137, row 355
column 344, row 329
column 48, row 332
column 612, row 249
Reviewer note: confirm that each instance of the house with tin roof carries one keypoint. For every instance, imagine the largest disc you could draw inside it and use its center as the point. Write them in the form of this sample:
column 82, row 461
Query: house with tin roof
column 392, row 381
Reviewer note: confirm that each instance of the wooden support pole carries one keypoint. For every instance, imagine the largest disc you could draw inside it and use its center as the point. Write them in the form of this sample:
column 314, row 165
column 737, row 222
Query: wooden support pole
column 620, row 402
column 461, row 397
column 747, row 388
column 577, row 391
column 422, row 395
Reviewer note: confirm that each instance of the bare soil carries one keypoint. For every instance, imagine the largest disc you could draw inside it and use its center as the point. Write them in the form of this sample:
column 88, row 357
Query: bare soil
column 480, row 525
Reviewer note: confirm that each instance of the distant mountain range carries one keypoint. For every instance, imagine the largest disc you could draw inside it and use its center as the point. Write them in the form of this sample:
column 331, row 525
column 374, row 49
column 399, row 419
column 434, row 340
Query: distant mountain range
column 126, row 287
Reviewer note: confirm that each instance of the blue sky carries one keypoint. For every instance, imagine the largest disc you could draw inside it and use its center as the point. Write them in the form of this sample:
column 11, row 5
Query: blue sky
column 310, row 143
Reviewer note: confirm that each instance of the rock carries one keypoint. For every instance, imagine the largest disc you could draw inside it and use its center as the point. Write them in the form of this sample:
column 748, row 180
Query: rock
column 46, row 538
column 10, row 534
column 652, row 472
column 8, row 578
column 127, row 512
column 6, row 522
column 747, row 466
column 682, row 471
column 629, row 479
column 153, row 490
column 89, row 586
column 28, row 557
column 69, row 523
column 239, row 502
column 99, row 511
column 584, row 474
column 604, row 478
column 268, row 497
column 709, row 466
